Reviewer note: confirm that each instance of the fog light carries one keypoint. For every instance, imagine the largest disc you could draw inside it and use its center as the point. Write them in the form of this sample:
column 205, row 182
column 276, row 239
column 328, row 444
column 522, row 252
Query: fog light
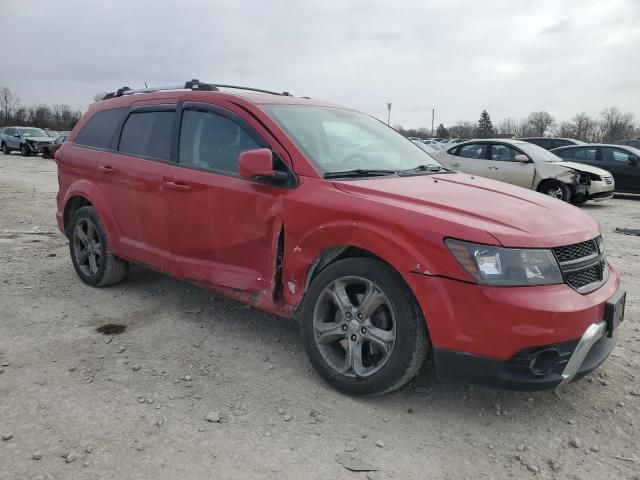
column 544, row 361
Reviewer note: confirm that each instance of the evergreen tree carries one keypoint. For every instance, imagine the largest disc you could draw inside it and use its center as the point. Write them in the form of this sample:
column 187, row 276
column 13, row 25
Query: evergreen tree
column 442, row 132
column 485, row 127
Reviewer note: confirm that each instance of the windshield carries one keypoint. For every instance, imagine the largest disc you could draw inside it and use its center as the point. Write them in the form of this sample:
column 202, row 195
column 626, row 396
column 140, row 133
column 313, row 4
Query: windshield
column 337, row 140
column 33, row 132
column 538, row 153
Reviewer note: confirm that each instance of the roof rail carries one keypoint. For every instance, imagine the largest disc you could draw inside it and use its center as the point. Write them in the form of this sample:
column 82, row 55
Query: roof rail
column 194, row 84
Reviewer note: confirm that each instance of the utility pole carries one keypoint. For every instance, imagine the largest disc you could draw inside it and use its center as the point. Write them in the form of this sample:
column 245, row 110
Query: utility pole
column 388, row 113
column 433, row 114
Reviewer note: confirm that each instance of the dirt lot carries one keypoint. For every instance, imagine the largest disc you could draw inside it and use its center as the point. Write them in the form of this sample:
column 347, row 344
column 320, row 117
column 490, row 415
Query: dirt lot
column 75, row 403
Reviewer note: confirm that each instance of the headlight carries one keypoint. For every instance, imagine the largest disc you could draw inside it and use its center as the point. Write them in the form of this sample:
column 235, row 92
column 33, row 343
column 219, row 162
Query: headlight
column 514, row 267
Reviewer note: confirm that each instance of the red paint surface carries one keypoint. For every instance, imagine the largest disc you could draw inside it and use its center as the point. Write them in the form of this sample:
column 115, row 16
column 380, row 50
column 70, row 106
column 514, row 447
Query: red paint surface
column 222, row 232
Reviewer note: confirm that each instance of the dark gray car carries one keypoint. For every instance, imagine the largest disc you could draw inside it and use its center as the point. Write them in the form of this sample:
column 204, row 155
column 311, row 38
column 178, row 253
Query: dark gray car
column 26, row 140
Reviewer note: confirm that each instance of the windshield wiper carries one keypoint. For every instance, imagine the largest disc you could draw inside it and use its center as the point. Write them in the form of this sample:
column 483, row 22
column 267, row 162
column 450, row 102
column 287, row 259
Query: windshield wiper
column 360, row 172
column 428, row 168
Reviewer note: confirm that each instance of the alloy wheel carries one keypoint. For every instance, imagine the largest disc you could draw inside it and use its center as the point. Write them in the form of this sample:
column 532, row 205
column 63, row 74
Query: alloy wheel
column 87, row 247
column 555, row 192
column 354, row 326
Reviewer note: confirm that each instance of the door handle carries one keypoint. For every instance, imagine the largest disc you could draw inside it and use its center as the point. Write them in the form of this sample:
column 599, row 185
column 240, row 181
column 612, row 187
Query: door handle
column 181, row 187
column 493, row 168
column 106, row 169
column 455, row 164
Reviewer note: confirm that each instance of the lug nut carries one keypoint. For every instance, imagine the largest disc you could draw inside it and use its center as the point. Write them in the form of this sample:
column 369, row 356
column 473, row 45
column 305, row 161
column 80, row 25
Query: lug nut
column 344, row 328
column 348, row 315
column 359, row 316
column 363, row 330
column 353, row 337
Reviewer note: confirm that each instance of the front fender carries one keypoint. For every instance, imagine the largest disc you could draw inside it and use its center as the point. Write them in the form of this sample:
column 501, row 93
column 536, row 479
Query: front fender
column 302, row 254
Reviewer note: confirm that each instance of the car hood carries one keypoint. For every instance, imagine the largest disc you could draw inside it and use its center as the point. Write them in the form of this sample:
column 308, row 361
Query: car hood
column 514, row 216
column 586, row 168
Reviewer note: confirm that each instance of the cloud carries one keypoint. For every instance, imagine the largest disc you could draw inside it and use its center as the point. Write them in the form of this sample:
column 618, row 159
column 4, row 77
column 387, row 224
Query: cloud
column 457, row 56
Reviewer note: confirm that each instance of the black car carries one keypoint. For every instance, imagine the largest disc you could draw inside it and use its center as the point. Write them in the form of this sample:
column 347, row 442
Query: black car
column 550, row 143
column 632, row 142
column 621, row 160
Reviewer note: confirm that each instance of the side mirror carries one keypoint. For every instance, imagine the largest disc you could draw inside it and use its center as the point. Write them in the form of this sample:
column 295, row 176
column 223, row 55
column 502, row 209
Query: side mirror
column 521, row 158
column 17, row 135
column 258, row 164
column 633, row 161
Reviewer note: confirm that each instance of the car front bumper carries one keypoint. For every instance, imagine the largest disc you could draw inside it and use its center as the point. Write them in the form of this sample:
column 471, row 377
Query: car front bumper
column 522, row 338
column 601, row 190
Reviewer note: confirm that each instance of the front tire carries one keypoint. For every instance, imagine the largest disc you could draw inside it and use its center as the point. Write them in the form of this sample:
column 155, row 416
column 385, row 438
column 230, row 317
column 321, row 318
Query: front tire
column 45, row 153
column 362, row 328
column 555, row 189
column 24, row 150
column 90, row 250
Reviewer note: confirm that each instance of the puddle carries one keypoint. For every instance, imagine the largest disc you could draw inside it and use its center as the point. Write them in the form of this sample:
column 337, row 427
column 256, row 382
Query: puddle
column 111, row 329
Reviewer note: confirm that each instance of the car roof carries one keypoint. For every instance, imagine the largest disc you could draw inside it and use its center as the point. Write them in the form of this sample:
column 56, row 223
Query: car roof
column 512, row 141
column 617, row 145
column 204, row 96
column 549, row 138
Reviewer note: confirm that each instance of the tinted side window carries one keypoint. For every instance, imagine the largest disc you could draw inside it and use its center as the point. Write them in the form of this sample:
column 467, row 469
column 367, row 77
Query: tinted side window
column 584, row 153
column 99, row 130
column 618, row 155
column 474, row 150
column 212, row 141
column 147, row 134
column 565, row 153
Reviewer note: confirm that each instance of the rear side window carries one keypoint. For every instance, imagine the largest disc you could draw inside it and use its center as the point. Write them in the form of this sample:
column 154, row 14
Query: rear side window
column 147, row 134
column 584, row 153
column 99, row 130
column 474, row 150
column 568, row 153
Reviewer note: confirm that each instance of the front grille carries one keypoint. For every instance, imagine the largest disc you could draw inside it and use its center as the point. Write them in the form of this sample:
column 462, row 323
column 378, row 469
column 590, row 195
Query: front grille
column 576, row 251
column 608, row 180
column 583, row 265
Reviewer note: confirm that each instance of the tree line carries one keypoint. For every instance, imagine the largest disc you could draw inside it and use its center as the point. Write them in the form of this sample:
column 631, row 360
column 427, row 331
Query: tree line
column 610, row 125
column 54, row 117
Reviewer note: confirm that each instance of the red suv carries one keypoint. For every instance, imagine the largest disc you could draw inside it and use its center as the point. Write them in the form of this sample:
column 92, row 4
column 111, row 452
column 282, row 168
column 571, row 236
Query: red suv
column 309, row 210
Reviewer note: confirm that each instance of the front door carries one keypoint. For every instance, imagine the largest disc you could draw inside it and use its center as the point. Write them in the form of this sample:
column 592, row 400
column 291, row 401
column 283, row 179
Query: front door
column 624, row 167
column 469, row 158
column 502, row 166
column 224, row 229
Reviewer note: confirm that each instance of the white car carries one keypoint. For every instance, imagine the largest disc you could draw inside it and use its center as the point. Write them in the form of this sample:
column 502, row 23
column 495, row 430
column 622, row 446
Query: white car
column 529, row 166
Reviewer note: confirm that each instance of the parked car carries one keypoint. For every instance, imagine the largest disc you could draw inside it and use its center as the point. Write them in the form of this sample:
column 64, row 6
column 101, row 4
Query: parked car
column 27, row 140
column 429, row 148
column 633, row 142
column 49, row 150
column 384, row 261
column 621, row 160
column 527, row 165
column 549, row 143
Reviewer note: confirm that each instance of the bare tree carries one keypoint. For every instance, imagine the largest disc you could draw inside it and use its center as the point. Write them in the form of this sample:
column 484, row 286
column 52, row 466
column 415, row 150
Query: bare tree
column 463, row 129
column 8, row 103
column 615, row 125
column 540, row 122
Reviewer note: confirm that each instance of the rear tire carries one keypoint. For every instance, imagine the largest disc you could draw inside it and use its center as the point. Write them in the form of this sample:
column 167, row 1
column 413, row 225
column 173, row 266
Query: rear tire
column 45, row 153
column 5, row 149
column 90, row 250
column 555, row 189
column 362, row 328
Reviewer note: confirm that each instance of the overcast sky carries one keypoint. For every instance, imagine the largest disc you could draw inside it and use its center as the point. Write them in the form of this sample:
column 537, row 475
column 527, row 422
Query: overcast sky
column 456, row 56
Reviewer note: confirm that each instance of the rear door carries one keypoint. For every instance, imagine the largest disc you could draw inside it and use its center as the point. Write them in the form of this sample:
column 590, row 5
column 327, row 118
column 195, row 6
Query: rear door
column 224, row 229
column 468, row 158
column 131, row 177
column 624, row 167
column 501, row 165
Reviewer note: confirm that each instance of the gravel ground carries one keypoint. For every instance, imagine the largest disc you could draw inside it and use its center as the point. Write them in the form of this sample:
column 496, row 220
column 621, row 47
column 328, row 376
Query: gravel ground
column 200, row 387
